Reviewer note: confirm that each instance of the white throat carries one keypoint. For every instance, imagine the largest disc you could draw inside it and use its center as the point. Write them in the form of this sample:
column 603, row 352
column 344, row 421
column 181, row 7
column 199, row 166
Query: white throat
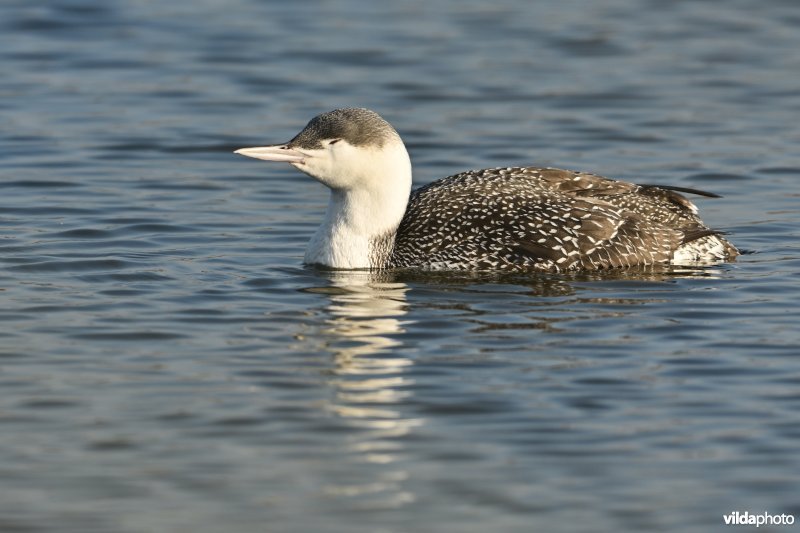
column 369, row 195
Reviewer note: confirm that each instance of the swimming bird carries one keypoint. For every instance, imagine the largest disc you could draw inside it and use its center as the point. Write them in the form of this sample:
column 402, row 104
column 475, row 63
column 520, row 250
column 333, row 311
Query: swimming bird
column 514, row 218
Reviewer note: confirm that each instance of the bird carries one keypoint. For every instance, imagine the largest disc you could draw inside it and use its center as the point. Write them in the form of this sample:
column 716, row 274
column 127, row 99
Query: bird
column 505, row 219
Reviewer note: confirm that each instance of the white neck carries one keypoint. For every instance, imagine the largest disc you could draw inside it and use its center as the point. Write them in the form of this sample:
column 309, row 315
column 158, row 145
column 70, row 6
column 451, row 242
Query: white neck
column 362, row 218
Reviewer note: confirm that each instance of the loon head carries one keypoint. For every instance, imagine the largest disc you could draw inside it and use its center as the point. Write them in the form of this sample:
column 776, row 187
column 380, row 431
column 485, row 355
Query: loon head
column 362, row 160
column 344, row 149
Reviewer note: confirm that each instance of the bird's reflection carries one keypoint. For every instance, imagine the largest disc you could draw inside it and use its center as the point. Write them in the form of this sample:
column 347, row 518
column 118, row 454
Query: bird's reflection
column 365, row 316
column 366, row 321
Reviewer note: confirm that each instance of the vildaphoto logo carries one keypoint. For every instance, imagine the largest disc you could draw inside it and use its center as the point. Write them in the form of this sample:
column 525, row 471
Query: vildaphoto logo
column 764, row 519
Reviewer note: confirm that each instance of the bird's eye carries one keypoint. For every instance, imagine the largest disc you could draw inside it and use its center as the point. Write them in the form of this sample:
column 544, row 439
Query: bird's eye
column 333, row 141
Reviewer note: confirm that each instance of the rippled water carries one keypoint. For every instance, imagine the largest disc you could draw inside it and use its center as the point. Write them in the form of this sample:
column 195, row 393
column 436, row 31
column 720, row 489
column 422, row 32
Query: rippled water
column 168, row 365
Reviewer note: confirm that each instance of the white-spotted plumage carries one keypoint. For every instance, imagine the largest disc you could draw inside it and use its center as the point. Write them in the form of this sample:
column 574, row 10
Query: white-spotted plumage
column 511, row 218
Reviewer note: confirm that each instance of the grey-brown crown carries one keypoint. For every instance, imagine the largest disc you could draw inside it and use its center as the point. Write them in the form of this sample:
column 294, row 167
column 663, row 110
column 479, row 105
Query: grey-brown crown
column 358, row 126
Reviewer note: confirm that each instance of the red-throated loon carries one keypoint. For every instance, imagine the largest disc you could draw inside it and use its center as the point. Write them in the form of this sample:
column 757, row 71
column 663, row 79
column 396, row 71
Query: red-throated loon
column 493, row 219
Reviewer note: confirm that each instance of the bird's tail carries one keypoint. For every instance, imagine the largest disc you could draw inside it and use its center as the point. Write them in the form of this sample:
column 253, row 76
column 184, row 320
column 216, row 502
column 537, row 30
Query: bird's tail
column 702, row 247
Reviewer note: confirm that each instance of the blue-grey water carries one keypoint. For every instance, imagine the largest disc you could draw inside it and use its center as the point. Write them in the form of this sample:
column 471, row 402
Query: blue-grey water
column 168, row 365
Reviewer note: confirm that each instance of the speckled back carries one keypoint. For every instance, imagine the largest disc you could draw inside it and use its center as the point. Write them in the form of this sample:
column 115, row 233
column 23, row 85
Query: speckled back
column 541, row 219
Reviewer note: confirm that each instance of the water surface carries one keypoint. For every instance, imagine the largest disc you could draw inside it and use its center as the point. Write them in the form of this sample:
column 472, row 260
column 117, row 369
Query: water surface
column 167, row 364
